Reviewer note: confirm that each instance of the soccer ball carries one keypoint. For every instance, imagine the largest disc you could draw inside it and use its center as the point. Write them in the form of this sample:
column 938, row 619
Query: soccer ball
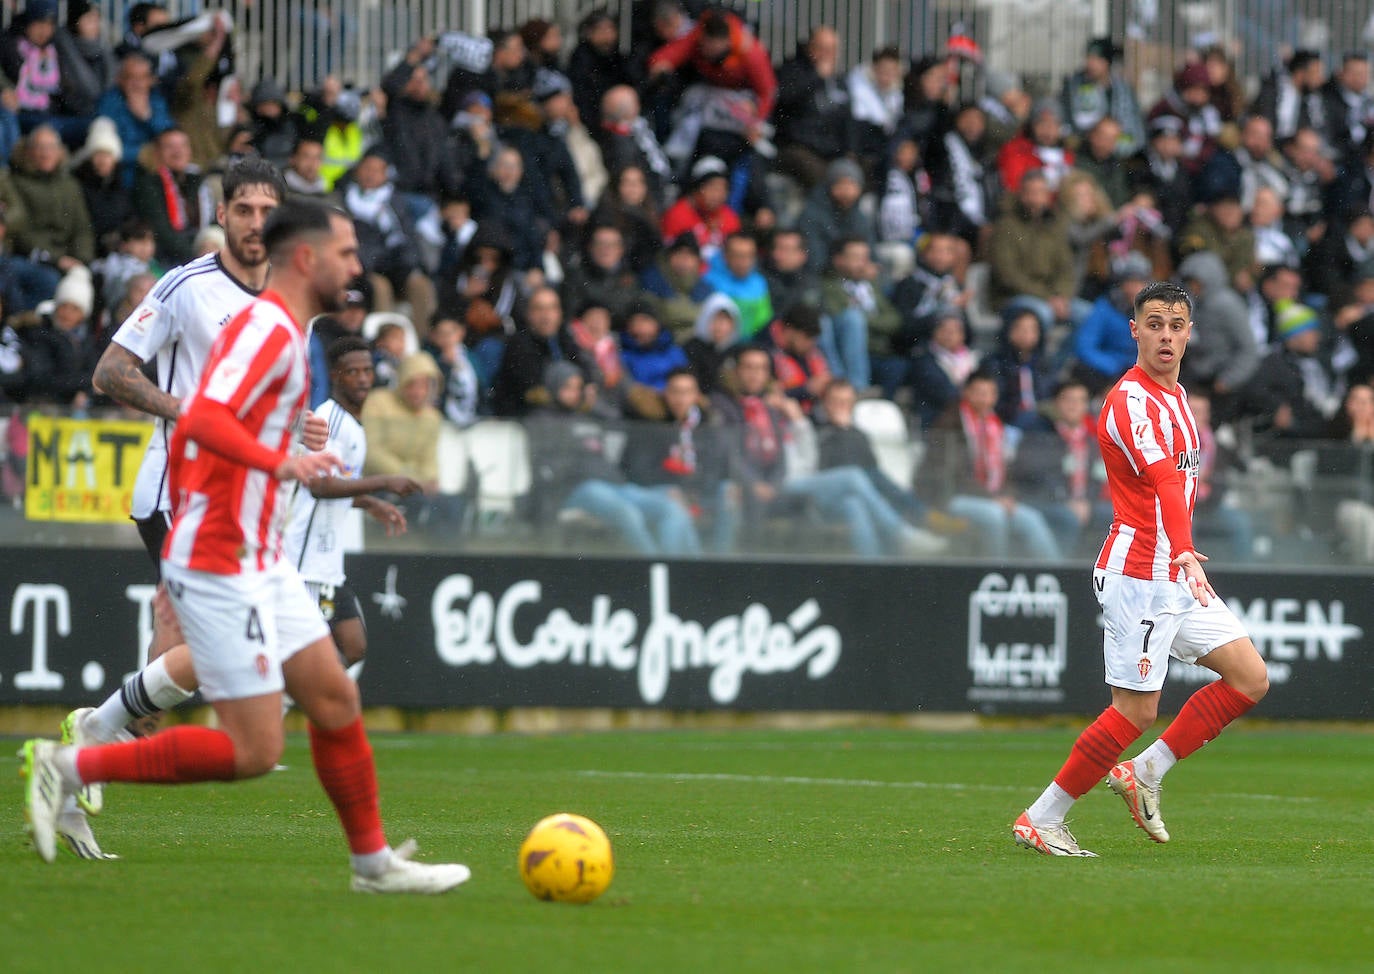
column 566, row 858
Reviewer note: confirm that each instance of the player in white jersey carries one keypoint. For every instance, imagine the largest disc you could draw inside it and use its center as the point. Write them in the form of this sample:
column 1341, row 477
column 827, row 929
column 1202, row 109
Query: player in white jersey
column 314, row 523
column 1156, row 600
column 251, row 626
column 174, row 327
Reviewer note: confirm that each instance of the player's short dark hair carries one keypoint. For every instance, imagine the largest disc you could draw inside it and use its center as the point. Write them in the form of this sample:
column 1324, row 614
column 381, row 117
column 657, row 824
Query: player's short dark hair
column 293, row 220
column 1167, row 291
column 252, row 171
column 345, row 345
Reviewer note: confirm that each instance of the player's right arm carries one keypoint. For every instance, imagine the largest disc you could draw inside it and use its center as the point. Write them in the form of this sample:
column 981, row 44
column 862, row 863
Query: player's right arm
column 119, row 375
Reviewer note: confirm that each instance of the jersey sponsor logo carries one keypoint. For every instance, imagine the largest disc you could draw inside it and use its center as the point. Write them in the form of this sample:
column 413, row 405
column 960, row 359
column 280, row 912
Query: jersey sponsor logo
column 1140, row 435
column 1018, row 642
column 1189, row 460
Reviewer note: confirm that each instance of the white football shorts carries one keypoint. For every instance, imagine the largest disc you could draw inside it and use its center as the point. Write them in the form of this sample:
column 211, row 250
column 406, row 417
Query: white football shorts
column 1145, row 622
column 242, row 628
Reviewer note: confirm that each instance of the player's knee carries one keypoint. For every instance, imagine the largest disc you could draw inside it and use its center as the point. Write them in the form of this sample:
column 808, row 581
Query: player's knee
column 252, row 759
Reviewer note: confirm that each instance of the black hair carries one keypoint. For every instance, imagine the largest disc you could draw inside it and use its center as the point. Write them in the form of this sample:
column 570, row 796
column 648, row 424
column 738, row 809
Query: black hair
column 345, row 345
column 1166, row 291
column 139, row 12
column 840, row 243
column 293, row 220
column 135, row 228
column 1069, row 383
column 714, row 25
column 676, row 371
column 252, row 171
column 889, row 53
column 802, row 317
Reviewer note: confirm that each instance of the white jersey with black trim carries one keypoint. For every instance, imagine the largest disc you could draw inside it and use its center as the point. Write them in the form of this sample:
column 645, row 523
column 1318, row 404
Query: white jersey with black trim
column 175, row 325
column 313, row 539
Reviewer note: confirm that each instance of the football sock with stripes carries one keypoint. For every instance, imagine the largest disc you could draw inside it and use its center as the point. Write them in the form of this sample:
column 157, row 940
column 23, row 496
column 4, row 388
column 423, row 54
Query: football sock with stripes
column 1202, row 718
column 178, row 755
column 147, row 692
column 1093, row 755
column 343, row 762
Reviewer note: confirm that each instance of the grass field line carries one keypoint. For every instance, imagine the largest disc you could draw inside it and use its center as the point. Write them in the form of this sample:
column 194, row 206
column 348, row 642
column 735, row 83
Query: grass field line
column 767, row 779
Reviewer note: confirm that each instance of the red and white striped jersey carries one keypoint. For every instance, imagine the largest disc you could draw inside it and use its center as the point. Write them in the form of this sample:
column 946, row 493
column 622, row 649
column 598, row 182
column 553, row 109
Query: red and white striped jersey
column 228, row 516
column 1142, row 424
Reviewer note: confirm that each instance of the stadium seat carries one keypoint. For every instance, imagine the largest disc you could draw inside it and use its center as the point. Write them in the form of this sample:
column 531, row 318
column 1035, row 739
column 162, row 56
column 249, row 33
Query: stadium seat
column 373, row 323
column 499, row 451
column 984, row 323
column 453, row 459
column 885, row 425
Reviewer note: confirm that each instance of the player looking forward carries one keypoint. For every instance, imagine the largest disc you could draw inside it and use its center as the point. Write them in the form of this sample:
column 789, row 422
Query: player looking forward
column 251, row 626
column 1155, row 597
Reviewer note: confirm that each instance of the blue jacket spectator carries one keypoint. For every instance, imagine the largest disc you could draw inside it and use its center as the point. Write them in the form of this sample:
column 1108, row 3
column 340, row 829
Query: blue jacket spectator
column 1102, row 344
column 137, row 108
column 647, row 348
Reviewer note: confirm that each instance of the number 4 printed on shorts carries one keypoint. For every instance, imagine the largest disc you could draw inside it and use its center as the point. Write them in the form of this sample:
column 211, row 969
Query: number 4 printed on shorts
column 254, row 630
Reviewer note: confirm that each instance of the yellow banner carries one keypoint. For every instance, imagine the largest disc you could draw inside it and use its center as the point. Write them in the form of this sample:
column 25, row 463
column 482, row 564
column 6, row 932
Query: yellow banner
column 82, row 469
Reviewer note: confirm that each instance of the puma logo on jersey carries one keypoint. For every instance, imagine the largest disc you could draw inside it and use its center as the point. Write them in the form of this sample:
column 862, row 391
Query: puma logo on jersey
column 1189, row 460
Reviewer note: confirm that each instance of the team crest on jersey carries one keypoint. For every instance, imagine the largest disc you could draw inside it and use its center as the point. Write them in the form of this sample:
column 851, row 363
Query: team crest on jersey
column 1144, row 667
column 1189, row 460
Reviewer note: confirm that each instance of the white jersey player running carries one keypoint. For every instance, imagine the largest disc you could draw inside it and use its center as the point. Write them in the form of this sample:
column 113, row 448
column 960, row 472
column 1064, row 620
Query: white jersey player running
column 314, row 524
column 174, row 327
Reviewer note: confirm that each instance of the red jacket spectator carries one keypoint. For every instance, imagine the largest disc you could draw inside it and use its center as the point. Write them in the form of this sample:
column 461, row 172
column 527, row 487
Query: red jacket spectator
column 703, row 212
column 746, row 64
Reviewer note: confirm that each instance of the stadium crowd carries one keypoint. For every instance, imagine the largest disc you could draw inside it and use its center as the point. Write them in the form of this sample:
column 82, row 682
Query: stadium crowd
column 687, row 272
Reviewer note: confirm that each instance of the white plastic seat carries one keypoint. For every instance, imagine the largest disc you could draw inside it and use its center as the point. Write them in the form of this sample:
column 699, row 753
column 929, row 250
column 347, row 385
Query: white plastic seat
column 885, row 425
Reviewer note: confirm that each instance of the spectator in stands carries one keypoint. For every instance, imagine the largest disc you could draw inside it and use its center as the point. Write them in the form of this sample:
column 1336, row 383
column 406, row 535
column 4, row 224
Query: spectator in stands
column 1228, row 90
column 1095, row 92
column 50, row 89
column 628, row 206
column 964, row 182
column 61, row 348
column 1296, row 390
column 714, row 342
column 507, row 81
column 1273, row 246
column 543, row 44
column 602, row 275
column 276, row 129
column 596, row 66
column 482, row 290
column 832, row 212
column 941, row 365
column 1309, row 173
column 546, row 148
column 1277, row 282
column 599, row 348
column 1291, row 98
column 544, row 340
column 1058, row 470
column 927, row 96
column 137, row 109
column 800, row 368
column 929, row 290
column 904, row 212
column 686, row 458
column 740, row 87
column 388, row 352
column 1160, row 171
column 208, row 61
column 1097, row 156
column 676, row 284
column 734, row 272
column 1222, row 356
column 1199, row 123
column 303, row 173
column 1341, row 258
column 774, row 447
column 502, row 193
column 1221, row 229
column 647, row 348
column 24, row 283
column 573, row 472
column 875, row 94
column 1102, row 343
column 626, row 139
column 416, row 134
column 171, row 194
column 1022, row 367
column 330, row 116
column 965, row 470
column 1213, row 515
column 84, row 45
column 1039, row 147
column 861, row 322
column 56, row 235
column 814, row 117
column 460, row 387
column 96, row 168
column 1352, row 466
column 703, row 210
column 133, row 255
column 1347, row 109
column 1090, row 221
column 1030, row 261
column 402, row 426
column 790, row 281
column 386, row 237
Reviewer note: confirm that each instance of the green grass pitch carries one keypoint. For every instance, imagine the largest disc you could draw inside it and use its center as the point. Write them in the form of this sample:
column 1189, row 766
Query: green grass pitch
column 861, row 850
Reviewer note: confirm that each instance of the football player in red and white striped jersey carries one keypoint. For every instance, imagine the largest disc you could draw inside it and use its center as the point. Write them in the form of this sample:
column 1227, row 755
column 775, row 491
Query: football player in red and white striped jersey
column 1155, row 597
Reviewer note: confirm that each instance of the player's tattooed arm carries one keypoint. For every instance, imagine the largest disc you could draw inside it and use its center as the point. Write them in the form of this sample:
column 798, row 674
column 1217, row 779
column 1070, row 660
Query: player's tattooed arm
column 119, row 374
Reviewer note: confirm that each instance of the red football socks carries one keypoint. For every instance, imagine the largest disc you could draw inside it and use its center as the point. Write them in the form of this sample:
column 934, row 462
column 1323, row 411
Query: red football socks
column 1202, row 718
column 343, row 762
column 178, row 755
column 1096, row 751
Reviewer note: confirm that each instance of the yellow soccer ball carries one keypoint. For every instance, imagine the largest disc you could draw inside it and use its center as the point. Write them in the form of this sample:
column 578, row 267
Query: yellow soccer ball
column 566, row 858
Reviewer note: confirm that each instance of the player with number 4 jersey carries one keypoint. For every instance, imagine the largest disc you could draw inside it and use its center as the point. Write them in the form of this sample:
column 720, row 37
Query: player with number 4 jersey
column 1156, row 600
